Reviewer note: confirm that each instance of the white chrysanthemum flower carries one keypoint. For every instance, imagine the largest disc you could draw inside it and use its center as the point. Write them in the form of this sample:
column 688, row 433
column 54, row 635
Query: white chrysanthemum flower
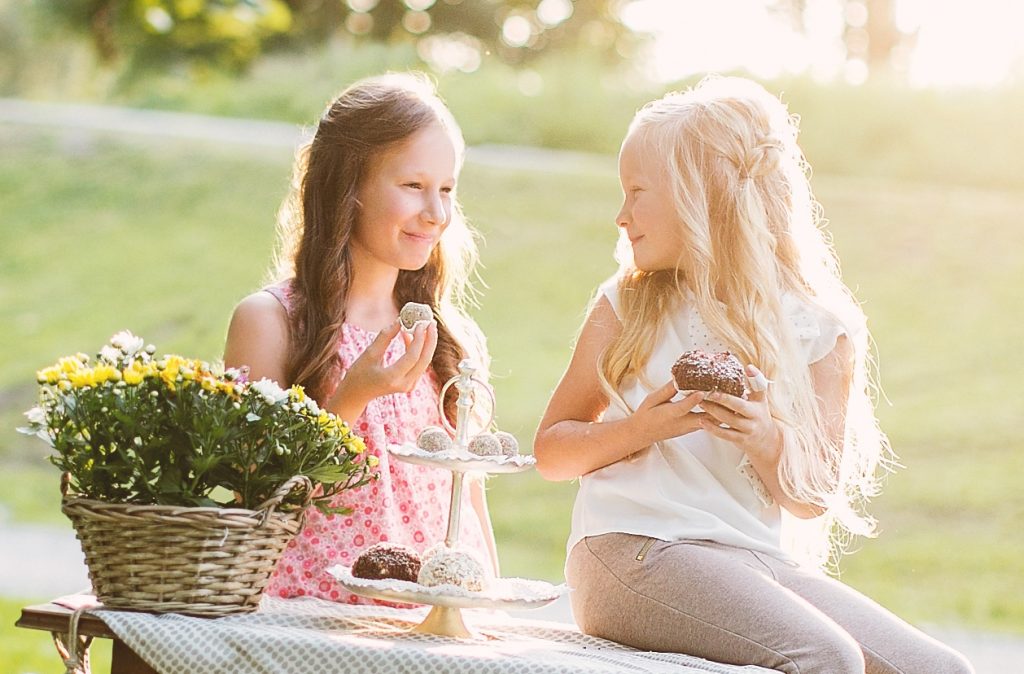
column 270, row 391
column 36, row 415
column 127, row 342
column 312, row 406
column 109, row 354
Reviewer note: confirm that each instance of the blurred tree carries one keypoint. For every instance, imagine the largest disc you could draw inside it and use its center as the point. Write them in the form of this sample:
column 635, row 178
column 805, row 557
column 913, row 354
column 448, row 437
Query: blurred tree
column 448, row 33
column 887, row 46
column 151, row 32
column 875, row 44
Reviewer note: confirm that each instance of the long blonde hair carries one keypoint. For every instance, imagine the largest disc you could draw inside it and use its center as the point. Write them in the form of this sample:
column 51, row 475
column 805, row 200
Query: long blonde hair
column 754, row 233
column 316, row 221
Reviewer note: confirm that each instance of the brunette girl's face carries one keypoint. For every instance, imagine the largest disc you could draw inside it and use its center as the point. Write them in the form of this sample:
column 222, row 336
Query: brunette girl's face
column 648, row 216
column 406, row 200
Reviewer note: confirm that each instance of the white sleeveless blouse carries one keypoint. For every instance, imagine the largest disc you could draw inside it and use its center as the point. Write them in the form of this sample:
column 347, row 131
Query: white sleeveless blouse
column 696, row 486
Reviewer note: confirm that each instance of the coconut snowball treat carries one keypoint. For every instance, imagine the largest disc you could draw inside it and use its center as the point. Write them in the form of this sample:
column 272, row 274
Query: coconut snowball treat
column 702, row 371
column 434, row 439
column 453, row 567
column 509, row 444
column 414, row 312
column 485, row 444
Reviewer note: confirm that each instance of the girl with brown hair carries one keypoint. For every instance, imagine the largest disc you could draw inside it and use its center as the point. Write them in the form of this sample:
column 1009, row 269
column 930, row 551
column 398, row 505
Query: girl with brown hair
column 372, row 222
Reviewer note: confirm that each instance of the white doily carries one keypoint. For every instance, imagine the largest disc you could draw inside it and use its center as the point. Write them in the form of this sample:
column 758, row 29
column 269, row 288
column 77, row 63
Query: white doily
column 455, row 459
column 499, row 592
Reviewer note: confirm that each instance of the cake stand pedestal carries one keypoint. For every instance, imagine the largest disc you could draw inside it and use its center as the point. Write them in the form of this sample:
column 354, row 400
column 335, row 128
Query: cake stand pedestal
column 445, row 616
column 445, row 621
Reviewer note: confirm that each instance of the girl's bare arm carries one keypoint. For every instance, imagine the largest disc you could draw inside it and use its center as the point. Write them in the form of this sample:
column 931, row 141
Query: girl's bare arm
column 571, row 440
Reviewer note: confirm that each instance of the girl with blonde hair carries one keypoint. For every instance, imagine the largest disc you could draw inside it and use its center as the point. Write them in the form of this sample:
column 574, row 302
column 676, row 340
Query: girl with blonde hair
column 372, row 222
column 702, row 522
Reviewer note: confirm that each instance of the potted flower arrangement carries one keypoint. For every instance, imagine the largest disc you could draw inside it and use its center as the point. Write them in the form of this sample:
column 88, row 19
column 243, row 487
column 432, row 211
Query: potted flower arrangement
column 185, row 481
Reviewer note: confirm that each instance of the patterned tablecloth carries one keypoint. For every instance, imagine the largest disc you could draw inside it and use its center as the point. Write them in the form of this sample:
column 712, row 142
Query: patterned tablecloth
column 311, row 635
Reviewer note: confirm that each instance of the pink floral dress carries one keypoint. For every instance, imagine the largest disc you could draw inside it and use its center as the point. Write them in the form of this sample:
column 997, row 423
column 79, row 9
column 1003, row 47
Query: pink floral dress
column 408, row 504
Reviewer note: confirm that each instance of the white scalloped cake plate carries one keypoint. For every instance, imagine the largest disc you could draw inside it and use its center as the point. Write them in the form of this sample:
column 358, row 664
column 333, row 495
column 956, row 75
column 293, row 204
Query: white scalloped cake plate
column 463, row 462
column 501, row 593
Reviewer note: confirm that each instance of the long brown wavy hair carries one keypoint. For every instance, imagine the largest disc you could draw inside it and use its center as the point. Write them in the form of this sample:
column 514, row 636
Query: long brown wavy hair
column 317, row 219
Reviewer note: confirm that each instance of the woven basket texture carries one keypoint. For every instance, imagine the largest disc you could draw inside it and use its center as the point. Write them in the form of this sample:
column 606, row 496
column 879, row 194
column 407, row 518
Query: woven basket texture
column 197, row 561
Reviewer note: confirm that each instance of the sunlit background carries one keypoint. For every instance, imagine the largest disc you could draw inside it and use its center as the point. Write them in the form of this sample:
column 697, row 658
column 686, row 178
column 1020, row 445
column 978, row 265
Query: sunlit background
column 929, row 43
column 114, row 217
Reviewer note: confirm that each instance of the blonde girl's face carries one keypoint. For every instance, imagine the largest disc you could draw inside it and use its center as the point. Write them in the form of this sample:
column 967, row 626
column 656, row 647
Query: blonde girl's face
column 406, row 200
column 648, row 216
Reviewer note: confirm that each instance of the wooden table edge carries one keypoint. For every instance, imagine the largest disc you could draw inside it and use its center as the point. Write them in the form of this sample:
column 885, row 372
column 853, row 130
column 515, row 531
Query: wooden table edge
column 56, row 618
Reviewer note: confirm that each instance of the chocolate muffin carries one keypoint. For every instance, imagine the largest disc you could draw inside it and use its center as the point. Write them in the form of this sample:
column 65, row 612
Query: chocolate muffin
column 387, row 560
column 702, row 371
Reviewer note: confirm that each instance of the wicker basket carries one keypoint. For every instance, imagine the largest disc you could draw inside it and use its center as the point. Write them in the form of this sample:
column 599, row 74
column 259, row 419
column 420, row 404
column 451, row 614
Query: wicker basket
column 198, row 561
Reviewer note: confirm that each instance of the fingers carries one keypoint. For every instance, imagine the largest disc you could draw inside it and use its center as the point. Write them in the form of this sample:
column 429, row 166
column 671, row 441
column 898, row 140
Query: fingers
column 730, row 403
column 733, row 411
column 691, row 401
column 418, row 354
column 713, row 426
column 427, row 350
column 758, row 383
column 380, row 344
column 660, row 395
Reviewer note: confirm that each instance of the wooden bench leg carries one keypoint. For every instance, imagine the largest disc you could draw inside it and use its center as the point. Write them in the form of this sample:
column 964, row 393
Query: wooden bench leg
column 126, row 661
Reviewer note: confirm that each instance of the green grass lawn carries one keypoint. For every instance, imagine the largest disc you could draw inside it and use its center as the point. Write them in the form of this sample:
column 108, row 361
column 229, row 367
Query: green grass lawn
column 163, row 238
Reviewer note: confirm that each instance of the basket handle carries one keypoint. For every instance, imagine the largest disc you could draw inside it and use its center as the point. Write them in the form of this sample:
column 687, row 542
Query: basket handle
column 268, row 506
column 65, row 483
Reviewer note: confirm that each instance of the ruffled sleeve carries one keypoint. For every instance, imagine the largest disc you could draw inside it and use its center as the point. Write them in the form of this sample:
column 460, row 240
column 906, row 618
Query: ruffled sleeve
column 282, row 292
column 610, row 289
column 815, row 329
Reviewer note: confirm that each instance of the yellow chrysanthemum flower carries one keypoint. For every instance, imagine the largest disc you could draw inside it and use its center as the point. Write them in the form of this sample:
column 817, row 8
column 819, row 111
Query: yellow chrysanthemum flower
column 69, row 364
column 170, row 378
column 133, row 375
column 105, row 373
column 358, row 446
column 49, row 375
column 372, row 461
column 82, row 378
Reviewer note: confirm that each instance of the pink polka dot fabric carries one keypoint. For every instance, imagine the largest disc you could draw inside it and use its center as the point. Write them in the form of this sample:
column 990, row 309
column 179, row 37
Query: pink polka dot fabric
column 408, row 504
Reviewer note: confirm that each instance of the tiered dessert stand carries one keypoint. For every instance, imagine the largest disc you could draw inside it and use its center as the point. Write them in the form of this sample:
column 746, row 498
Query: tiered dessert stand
column 445, row 618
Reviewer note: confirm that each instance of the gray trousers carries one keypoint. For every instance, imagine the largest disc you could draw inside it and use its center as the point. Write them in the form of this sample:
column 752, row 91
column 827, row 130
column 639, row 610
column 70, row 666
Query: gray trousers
column 736, row 606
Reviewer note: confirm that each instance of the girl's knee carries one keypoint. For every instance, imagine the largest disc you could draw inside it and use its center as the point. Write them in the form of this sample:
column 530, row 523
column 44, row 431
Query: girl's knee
column 948, row 661
column 939, row 659
column 839, row 655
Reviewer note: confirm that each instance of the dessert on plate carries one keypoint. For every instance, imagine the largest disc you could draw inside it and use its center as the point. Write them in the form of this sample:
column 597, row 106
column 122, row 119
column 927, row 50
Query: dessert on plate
column 485, row 444
column 453, row 567
column 698, row 370
column 434, row 439
column 387, row 560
